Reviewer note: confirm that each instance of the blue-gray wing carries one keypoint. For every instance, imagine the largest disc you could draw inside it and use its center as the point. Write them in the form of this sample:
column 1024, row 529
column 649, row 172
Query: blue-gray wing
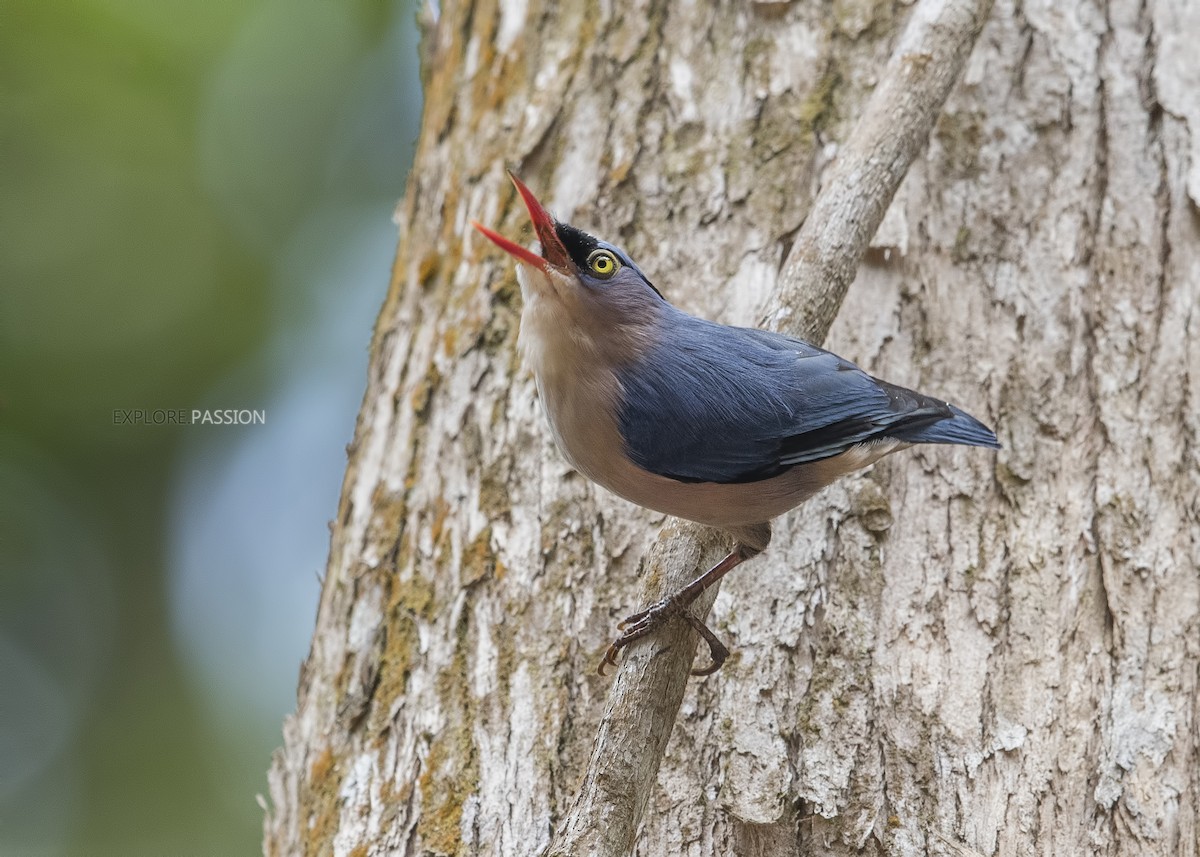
column 724, row 404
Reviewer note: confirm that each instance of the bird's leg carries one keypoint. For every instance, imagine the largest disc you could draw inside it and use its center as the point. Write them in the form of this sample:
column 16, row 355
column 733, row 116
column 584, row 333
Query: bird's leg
column 645, row 621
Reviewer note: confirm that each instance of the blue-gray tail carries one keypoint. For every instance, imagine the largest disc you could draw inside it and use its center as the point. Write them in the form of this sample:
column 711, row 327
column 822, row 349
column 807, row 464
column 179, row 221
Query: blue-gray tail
column 960, row 428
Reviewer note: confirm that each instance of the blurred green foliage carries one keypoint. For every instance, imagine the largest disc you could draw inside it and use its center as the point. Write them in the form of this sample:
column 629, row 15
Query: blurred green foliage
column 156, row 156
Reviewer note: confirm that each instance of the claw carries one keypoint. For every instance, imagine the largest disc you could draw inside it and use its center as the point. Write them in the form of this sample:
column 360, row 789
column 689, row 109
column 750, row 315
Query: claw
column 640, row 624
column 644, row 622
column 609, row 659
column 716, row 649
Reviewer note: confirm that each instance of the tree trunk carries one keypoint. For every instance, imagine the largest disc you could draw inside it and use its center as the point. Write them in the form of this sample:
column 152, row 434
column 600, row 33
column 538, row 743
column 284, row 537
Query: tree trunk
column 953, row 653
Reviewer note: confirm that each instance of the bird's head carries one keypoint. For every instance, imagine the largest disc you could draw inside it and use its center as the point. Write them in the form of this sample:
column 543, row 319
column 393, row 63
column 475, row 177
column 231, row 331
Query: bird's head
column 575, row 268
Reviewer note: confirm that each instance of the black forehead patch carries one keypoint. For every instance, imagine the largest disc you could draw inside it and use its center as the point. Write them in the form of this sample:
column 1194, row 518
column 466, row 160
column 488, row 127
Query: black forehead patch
column 578, row 243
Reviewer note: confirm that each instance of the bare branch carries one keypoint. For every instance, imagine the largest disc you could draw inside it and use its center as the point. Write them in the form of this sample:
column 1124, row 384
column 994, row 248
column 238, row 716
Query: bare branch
column 649, row 686
column 889, row 136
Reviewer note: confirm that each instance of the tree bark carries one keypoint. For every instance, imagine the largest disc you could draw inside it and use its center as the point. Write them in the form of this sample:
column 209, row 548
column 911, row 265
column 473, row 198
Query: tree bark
column 951, row 653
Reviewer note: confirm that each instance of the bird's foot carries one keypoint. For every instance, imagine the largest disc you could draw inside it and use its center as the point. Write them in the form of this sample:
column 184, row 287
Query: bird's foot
column 655, row 616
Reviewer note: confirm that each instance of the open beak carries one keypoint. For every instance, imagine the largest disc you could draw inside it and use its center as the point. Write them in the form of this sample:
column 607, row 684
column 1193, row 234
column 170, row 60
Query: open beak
column 554, row 254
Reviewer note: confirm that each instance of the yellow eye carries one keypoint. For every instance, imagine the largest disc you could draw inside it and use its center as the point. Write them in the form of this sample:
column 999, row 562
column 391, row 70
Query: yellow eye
column 603, row 263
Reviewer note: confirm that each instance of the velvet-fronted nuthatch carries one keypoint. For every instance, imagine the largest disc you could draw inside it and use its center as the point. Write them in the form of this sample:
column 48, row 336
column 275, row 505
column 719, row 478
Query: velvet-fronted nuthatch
column 726, row 426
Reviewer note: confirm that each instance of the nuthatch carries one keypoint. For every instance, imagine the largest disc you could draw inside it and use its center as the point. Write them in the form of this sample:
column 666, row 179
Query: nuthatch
column 726, row 426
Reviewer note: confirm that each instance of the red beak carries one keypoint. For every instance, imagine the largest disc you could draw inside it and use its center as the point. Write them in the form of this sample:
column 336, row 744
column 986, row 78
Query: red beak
column 554, row 254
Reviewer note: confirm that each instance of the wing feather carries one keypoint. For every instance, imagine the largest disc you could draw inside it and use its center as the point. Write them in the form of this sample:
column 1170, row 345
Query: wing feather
column 724, row 404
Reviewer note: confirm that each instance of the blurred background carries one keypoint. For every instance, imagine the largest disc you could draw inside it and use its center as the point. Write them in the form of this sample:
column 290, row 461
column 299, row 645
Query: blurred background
column 196, row 203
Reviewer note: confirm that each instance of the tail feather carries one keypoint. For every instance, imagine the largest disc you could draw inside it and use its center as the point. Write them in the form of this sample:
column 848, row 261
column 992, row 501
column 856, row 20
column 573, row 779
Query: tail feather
column 960, row 428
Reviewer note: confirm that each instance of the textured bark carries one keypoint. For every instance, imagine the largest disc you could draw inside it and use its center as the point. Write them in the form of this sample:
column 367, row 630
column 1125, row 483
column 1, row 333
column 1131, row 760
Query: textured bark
column 952, row 653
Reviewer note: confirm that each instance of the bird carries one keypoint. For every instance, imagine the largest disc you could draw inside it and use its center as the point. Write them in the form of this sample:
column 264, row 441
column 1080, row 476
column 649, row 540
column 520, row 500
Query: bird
column 729, row 427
